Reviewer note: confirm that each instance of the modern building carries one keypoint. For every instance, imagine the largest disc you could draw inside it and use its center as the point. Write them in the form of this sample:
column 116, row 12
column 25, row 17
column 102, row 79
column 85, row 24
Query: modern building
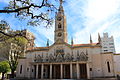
column 107, row 43
column 30, row 37
column 66, row 61
column 6, row 50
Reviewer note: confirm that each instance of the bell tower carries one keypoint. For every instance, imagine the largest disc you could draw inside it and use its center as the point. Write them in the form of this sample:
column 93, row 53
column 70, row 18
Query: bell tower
column 60, row 25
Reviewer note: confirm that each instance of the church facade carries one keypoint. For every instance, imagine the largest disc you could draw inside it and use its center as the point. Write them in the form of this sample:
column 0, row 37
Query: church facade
column 66, row 61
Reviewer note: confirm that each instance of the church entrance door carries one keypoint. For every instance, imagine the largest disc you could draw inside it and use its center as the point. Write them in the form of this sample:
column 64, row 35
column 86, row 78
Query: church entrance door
column 46, row 71
column 34, row 71
column 56, row 71
column 39, row 71
column 83, row 71
column 74, row 71
column 66, row 71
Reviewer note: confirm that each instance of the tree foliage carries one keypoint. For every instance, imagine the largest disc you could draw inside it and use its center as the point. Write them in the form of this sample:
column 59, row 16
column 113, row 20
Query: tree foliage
column 12, row 49
column 17, row 50
column 26, row 9
column 35, row 12
column 4, row 68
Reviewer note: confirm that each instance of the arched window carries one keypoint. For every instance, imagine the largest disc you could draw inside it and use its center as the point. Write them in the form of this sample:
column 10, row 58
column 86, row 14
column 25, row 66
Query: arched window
column 27, row 69
column 59, row 25
column 108, row 66
column 21, row 69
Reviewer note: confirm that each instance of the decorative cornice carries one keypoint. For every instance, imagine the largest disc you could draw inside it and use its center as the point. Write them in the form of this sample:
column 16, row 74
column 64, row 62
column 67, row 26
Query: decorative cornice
column 60, row 42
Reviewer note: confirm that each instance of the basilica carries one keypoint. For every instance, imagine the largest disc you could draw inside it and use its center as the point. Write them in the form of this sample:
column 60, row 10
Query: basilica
column 67, row 61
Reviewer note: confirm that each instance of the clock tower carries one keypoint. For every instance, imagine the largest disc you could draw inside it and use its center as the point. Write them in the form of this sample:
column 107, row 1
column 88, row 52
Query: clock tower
column 60, row 25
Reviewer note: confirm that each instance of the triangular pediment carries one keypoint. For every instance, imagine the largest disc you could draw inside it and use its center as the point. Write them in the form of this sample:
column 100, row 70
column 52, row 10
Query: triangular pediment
column 60, row 42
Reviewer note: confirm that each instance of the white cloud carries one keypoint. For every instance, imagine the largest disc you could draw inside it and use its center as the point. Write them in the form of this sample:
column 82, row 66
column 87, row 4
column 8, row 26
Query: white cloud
column 5, row 1
column 99, row 17
column 101, row 9
column 48, row 33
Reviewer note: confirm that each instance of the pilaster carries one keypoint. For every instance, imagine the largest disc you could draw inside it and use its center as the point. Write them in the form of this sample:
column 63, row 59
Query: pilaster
column 88, row 71
column 71, row 76
column 37, row 71
column 61, row 68
column 50, row 71
column 42, row 68
column 78, row 71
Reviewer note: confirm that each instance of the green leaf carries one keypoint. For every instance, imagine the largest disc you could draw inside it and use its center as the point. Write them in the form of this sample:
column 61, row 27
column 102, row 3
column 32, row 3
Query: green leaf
column 4, row 67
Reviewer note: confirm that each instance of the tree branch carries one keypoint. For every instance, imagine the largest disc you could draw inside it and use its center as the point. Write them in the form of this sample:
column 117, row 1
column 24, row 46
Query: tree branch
column 20, row 9
column 24, row 10
column 8, row 36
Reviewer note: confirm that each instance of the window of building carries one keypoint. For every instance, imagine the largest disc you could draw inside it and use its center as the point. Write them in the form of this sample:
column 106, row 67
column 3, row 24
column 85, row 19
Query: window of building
column 32, row 70
column 108, row 66
column 27, row 69
column 59, row 25
column 59, row 51
column 111, row 44
column 90, row 69
column 21, row 69
column 105, row 50
column 104, row 47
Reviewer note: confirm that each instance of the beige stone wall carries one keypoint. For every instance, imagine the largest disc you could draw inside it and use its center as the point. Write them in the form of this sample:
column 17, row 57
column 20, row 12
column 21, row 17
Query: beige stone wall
column 96, row 65
column 108, row 57
column 94, row 59
column 26, row 68
column 117, row 64
column 21, row 62
column 99, row 65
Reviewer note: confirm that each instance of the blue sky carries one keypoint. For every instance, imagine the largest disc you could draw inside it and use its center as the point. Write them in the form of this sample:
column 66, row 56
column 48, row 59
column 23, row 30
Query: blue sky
column 84, row 17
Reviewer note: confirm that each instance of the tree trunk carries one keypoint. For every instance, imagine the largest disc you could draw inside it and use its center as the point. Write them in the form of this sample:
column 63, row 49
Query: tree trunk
column 12, row 73
column 2, row 76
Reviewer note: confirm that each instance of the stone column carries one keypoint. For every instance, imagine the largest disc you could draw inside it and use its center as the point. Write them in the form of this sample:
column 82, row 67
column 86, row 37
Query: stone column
column 78, row 71
column 88, row 71
column 71, row 76
column 37, row 71
column 42, row 68
column 61, row 70
column 50, row 71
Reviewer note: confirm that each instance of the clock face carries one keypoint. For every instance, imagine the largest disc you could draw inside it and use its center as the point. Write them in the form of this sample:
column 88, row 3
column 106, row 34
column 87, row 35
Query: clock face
column 59, row 34
column 59, row 18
